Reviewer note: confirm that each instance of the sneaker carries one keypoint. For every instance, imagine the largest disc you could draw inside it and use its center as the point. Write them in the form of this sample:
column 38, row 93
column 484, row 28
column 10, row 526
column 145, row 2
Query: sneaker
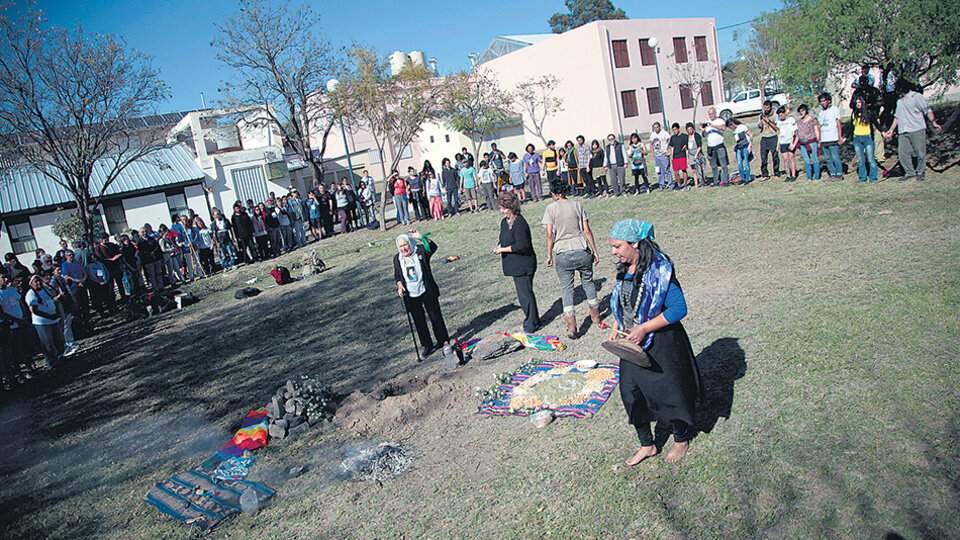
column 6, row 384
column 72, row 350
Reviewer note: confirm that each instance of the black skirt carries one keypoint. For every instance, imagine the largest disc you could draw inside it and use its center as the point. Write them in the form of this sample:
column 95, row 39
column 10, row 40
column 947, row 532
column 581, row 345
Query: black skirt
column 668, row 390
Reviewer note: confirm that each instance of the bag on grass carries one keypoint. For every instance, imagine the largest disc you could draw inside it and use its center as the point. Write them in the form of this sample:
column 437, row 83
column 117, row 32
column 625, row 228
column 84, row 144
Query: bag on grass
column 246, row 292
column 282, row 275
column 373, row 225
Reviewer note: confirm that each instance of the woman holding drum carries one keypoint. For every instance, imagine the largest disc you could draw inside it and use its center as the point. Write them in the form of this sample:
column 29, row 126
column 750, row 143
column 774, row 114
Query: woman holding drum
column 647, row 303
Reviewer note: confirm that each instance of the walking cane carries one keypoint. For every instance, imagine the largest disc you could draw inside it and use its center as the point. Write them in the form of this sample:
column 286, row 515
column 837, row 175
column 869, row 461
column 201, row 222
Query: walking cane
column 413, row 334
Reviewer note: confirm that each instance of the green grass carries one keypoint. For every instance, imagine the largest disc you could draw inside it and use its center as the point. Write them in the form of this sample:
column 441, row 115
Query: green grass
column 824, row 314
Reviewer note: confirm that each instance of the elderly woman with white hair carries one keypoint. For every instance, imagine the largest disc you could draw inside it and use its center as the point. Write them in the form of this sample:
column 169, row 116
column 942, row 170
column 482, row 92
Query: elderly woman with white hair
column 647, row 303
column 415, row 284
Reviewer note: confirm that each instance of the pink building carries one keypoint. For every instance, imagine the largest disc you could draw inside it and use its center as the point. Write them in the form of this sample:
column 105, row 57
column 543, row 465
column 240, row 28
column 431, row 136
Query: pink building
column 608, row 74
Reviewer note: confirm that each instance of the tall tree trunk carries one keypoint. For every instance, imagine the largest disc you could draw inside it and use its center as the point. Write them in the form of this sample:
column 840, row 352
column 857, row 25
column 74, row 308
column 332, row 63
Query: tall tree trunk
column 386, row 191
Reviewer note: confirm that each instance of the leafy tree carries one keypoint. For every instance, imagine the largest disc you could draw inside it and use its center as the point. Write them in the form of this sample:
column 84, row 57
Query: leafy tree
column 475, row 105
column 756, row 66
column 393, row 108
column 65, row 97
column 817, row 39
column 68, row 226
column 582, row 12
column 535, row 98
column 277, row 59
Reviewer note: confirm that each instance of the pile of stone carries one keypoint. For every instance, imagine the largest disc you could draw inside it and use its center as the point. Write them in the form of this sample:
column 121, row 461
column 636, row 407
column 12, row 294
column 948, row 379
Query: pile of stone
column 297, row 407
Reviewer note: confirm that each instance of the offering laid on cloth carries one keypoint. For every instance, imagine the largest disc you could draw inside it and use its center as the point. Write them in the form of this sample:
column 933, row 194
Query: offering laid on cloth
column 196, row 498
column 207, row 495
column 235, row 468
column 542, row 343
column 560, row 387
column 251, row 435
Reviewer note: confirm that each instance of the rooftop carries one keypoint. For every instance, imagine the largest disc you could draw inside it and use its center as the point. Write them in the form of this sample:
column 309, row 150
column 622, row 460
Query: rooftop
column 27, row 188
column 502, row 45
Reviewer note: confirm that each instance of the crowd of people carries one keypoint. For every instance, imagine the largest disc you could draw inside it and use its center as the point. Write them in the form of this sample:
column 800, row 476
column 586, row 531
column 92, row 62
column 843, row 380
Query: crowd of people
column 681, row 155
column 48, row 305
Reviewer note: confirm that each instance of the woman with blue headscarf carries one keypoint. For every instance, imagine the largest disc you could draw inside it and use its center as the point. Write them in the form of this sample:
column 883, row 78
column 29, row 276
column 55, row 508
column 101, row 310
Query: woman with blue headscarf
column 647, row 303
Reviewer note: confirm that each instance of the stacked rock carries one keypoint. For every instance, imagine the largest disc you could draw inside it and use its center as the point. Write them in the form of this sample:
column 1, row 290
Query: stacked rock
column 294, row 409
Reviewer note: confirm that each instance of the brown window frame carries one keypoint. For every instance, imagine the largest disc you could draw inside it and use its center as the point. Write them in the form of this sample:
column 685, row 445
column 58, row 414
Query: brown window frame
column 706, row 93
column 628, row 99
column 680, row 50
column 648, row 56
column 700, row 46
column 654, row 106
column 686, row 97
column 621, row 56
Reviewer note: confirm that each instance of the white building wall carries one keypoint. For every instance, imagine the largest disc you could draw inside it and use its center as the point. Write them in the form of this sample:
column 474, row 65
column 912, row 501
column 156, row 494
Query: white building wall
column 150, row 209
column 196, row 201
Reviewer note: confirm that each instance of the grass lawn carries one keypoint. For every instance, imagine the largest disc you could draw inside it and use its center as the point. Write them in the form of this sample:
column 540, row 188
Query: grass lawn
column 825, row 317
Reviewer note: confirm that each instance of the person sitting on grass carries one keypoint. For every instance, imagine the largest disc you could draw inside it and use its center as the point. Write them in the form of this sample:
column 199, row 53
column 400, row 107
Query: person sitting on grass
column 647, row 303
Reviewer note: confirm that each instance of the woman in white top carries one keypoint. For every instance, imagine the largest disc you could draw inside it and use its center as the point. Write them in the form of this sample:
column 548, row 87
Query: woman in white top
column 46, row 320
column 435, row 196
column 787, row 129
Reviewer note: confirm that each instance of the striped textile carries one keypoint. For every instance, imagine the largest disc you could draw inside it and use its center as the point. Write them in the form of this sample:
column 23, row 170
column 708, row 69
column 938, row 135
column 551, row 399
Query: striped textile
column 195, row 498
column 589, row 408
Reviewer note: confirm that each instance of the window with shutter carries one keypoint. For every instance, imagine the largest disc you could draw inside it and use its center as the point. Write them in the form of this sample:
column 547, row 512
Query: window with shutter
column 680, row 49
column 700, row 45
column 621, row 58
column 647, row 57
column 629, row 99
column 654, row 104
column 686, row 96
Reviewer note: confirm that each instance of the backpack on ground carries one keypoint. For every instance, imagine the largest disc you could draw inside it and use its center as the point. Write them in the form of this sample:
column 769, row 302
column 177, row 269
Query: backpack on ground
column 282, row 275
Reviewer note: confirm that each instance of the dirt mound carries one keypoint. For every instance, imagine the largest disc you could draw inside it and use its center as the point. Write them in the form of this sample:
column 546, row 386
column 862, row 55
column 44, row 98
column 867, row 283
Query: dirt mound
column 395, row 403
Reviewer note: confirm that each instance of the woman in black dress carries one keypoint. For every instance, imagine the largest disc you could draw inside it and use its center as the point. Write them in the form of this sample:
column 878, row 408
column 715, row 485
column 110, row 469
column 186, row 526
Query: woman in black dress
column 415, row 284
column 647, row 303
column 519, row 259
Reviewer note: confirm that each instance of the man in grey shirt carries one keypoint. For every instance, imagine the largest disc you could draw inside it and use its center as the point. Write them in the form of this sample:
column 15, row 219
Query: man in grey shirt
column 911, row 109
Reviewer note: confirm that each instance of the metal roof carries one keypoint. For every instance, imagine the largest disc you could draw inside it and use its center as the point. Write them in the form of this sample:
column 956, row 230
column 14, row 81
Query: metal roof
column 502, row 45
column 27, row 189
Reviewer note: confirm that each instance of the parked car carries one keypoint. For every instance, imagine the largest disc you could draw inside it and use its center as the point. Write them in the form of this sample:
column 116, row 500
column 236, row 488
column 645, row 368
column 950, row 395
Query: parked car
column 750, row 102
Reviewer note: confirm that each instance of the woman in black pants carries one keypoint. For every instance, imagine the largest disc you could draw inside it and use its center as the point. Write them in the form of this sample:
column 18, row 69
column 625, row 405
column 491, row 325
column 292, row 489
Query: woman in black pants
column 519, row 259
column 415, row 284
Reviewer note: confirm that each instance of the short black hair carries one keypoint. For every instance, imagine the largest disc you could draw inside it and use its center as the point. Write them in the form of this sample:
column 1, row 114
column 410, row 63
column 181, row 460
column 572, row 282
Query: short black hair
column 825, row 95
column 690, row 125
column 781, row 109
column 675, row 125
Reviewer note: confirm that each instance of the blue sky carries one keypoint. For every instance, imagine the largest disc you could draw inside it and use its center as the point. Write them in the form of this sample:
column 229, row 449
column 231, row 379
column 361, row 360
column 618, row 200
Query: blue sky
column 177, row 34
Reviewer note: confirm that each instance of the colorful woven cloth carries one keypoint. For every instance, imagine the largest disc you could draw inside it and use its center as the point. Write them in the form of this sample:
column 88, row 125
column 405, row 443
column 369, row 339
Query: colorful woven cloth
column 196, row 498
column 451, row 259
column 234, row 468
column 543, row 343
column 251, row 435
column 575, row 392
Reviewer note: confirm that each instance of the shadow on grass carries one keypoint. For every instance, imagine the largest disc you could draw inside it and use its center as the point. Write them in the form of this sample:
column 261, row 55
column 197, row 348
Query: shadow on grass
column 483, row 322
column 721, row 363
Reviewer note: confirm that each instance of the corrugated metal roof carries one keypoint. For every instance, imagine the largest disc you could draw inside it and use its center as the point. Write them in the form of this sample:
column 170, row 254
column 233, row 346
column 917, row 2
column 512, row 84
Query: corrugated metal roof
column 26, row 189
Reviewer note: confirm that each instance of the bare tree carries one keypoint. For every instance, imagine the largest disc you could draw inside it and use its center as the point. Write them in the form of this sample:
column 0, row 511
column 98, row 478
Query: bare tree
column 536, row 100
column 475, row 105
column 65, row 98
column 277, row 59
column 691, row 77
column 392, row 108
column 757, row 66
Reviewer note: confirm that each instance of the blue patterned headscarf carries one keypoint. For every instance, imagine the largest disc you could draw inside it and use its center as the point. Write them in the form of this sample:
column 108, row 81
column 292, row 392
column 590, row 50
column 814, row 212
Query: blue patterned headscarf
column 631, row 230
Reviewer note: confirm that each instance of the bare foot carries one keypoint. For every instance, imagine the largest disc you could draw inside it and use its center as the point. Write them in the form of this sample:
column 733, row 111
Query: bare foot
column 642, row 454
column 677, row 452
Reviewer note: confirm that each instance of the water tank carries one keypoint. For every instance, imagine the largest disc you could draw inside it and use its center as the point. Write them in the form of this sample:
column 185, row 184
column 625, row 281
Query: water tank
column 419, row 58
column 398, row 61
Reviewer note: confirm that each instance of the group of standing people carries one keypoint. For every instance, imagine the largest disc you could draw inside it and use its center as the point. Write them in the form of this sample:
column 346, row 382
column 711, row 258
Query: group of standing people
column 647, row 304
